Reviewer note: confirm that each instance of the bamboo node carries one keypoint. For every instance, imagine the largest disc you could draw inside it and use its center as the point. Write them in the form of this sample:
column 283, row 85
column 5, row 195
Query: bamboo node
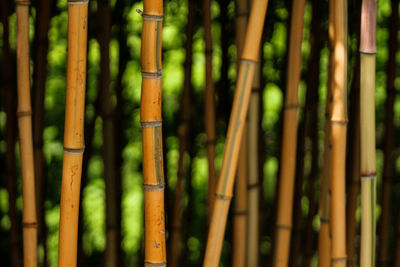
column 339, row 259
column 223, row 198
column 291, row 106
column 255, row 90
column 147, row 264
column 78, row 2
column 368, row 177
column 253, row 186
column 284, row 227
column 153, row 187
column 24, row 113
column 148, row 124
column 151, row 17
column 248, row 61
column 76, row 151
column 152, row 75
column 240, row 213
column 339, row 122
column 29, row 224
column 22, row 2
column 211, row 142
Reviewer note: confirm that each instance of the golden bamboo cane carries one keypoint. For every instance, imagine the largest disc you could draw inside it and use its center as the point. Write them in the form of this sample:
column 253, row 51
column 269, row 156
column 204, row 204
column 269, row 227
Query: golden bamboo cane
column 367, row 130
column 289, row 141
column 209, row 107
column 383, row 252
column 150, row 117
column 338, row 128
column 235, row 133
column 24, row 114
column 240, row 213
column 73, row 133
column 175, row 230
column 10, row 136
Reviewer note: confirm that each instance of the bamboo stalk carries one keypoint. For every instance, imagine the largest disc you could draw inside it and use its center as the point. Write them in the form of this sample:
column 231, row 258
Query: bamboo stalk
column 289, row 144
column 324, row 239
column 24, row 114
column 383, row 252
column 183, row 133
column 209, row 108
column 10, row 134
column 73, row 133
column 338, row 128
column 235, row 133
column 150, row 116
column 240, row 213
column 367, row 130
column 107, row 109
column 397, row 246
column 39, row 85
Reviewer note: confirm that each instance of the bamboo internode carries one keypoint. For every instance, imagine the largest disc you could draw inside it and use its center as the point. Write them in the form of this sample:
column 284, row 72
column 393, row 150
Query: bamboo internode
column 289, row 141
column 24, row 114
column 150, row 116
column 73, row 133
column 367, row 129
column 235, row 133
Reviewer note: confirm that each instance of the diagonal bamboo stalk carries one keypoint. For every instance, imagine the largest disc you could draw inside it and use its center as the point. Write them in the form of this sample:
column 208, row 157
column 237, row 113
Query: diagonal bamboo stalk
column 41, row 44
column 383, row 252
column 235, row 133
column 367, row 130
column 209, row 107
column 150, row 117
column 73, row 133
column 24, row 114
column 338, row 128
column 183, row 133
column 10, row 136
column 240, row 213
column 289, row 144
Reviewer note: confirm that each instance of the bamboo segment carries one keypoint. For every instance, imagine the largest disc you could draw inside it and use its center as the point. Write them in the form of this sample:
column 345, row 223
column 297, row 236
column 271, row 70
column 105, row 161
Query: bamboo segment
column 209, row 107
column 41, row 44
column 150, row 117
column 289, row 144
column 338, row 128
column 235, row 133
column 24, row 114
column 383, row 252
column 73, row 133
column 324, row 239
column 240, row 209
column 10, row 136
column 175, row 230
column 367, row 130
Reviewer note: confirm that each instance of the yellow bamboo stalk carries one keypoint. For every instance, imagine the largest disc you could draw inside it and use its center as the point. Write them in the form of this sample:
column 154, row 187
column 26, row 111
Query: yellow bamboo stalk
column 209, row 108
column 240, row 214
column 24, row 114
column 383, row 252
column 235, row 133
column 338, row 128
column 289, row 141
column 324, row 239
column 73, row 133
column 150, row 117
column 367, row 130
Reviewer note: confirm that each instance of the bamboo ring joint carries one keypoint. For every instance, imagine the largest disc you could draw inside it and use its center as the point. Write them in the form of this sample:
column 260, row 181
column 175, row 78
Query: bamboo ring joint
column 248, row 61
column 152, row 75
column 152, row 17
column 78, row 2
column 76, row 151
column 368, row 177
column 153, row 187
column 30, row 224
column 155, row 265
column 22, row 2
column 148, row 124
column 24, row 113
column 284, row 227
column 221, row 197
column 339, row 260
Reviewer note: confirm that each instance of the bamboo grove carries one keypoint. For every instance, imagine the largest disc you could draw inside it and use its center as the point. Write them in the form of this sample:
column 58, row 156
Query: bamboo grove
column 199, row 133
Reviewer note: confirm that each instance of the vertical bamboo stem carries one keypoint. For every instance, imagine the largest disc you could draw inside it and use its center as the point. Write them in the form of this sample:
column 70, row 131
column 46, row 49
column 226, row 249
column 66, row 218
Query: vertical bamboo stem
column 367, row 130
column 235, row 133
column 209, row 107
column 183, row 133
column 24, row 114
column 150, row 116
column 240, row 213
column 39, row 85
column 338, row 128
column 73, row 133
column 289, row 144
column 383, row 252
column 10, row 109
column 397, row 248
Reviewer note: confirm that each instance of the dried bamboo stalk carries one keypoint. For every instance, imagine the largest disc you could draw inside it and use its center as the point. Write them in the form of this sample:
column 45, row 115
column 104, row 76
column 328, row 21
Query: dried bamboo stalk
column 289, row 141
column 24, row 114
column 235, row 133
column 150, row 117
column 367, row 130
column 73, row 133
